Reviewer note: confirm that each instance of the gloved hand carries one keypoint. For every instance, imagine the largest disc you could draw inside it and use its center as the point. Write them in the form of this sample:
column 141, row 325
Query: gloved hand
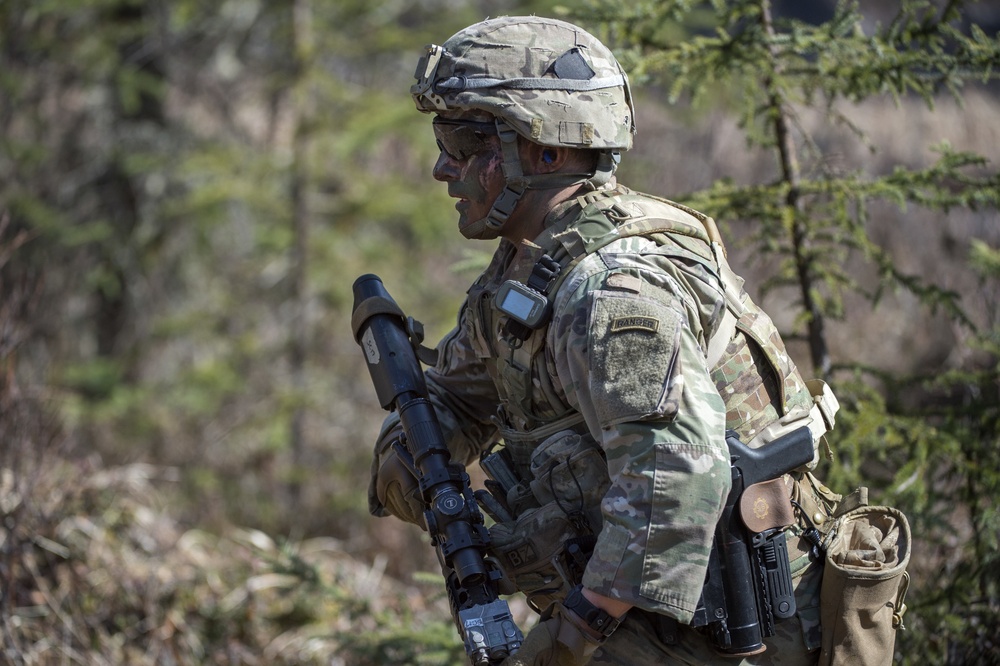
column 559, row 639
column 394, row 488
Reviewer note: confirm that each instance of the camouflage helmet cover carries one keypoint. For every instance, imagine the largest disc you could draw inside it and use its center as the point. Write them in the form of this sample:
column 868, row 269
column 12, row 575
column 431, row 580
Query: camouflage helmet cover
column 554, row 83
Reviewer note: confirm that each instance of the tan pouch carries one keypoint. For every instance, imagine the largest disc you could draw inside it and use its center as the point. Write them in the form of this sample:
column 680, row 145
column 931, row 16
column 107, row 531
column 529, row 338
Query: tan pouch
column 864, row 583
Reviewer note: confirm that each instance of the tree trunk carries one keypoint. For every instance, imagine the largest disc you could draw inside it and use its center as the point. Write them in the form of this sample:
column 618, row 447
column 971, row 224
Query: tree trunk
column 801, row 251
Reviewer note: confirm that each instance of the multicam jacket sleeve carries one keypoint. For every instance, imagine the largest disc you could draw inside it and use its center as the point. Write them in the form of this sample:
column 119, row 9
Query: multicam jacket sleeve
column 626, row 343
column 463, row 394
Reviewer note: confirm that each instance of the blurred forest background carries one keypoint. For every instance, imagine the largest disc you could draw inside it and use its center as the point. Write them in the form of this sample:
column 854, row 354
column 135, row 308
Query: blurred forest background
column 188, row 190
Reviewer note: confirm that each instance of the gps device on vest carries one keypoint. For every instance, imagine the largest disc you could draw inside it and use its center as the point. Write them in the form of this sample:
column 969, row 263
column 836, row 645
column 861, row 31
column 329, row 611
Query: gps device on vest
column 523, row 304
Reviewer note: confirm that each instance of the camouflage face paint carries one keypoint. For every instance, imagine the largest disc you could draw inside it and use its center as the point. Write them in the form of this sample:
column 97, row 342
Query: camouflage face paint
column 480, row 183
column 472, row 166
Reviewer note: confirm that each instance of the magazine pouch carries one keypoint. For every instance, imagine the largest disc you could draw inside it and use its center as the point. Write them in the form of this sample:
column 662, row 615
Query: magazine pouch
column 545, row 548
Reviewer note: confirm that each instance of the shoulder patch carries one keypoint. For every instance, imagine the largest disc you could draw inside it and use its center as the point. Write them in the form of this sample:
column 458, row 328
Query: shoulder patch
column 635, row 323
column 624, row 282
column 633, row 372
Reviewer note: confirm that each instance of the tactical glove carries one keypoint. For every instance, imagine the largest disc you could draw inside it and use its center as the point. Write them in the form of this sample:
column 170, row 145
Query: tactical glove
column 394, row 489
column 559, row 639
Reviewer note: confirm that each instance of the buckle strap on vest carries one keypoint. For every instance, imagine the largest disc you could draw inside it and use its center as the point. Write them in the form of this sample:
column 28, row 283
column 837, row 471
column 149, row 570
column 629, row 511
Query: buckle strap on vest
column 543, row 274
column 823, row 412
column 819, row 418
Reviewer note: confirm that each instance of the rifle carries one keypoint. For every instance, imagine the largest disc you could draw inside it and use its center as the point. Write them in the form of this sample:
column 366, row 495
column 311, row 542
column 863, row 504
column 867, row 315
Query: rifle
column 452, row 517
column 749, row 583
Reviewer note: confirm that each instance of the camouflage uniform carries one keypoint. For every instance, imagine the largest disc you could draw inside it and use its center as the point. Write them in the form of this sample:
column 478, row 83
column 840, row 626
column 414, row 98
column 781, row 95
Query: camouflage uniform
column 624, row 363
column 622, row 370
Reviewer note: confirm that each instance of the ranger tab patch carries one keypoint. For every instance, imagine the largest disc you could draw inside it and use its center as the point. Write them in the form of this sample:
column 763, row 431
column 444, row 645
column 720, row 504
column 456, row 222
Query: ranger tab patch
column 635, row 323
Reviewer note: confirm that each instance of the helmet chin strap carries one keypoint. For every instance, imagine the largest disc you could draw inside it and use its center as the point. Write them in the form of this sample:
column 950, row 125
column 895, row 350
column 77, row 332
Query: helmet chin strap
column 490, row 226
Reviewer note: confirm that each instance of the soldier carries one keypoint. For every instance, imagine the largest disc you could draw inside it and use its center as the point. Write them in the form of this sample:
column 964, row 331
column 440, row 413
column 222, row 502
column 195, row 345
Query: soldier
column 609, row 346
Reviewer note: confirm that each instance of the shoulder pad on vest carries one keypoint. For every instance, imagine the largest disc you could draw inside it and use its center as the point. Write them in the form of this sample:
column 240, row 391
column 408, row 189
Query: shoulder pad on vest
column 614, row 216
column 655, row 215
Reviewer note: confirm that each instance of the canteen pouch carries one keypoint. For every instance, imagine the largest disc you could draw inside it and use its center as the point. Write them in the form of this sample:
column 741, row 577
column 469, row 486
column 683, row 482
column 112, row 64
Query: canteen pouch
column 864, row 584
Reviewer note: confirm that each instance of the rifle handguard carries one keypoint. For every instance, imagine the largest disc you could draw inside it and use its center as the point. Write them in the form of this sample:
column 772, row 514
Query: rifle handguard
column 452, row 516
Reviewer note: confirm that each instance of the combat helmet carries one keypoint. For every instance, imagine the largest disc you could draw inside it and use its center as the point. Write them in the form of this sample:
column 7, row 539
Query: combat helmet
column 546, row 80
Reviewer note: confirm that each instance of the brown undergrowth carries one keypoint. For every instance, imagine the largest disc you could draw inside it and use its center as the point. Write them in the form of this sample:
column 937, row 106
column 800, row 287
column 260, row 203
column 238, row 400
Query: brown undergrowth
column 95, row 571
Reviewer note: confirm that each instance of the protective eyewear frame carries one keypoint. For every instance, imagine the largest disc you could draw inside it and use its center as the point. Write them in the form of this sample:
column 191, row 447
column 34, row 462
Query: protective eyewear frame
column 461, row 139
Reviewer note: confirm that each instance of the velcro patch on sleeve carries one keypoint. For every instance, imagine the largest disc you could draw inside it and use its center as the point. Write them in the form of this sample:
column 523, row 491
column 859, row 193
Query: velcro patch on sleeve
column 624, row 282
column 635, row 323
column 633, row 350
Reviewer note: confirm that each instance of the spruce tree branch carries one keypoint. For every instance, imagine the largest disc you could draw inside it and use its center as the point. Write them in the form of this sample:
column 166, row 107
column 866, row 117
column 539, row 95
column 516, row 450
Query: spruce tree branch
column 818, row 348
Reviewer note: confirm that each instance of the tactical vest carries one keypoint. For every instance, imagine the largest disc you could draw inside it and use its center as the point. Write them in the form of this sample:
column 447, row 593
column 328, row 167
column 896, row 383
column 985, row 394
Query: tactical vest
column 763, row 391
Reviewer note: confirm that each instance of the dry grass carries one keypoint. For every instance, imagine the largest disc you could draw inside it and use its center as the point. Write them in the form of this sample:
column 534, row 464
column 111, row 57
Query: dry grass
column 96, row 571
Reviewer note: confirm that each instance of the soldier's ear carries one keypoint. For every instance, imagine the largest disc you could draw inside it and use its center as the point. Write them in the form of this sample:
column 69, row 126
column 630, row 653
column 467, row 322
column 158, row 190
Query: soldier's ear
column 546, row 159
